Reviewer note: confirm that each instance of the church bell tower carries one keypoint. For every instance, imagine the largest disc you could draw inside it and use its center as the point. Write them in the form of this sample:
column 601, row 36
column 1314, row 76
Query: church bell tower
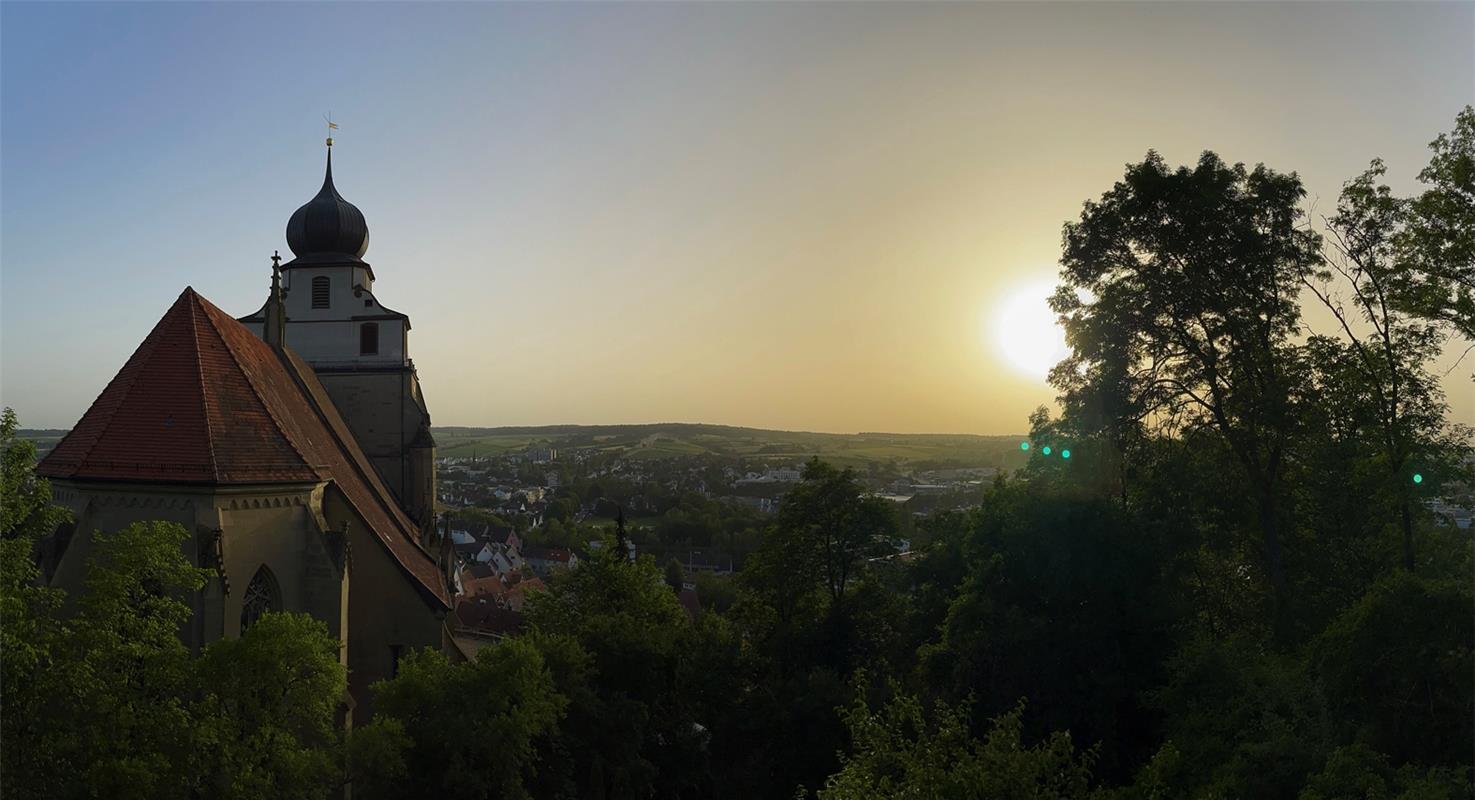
column 358, row 347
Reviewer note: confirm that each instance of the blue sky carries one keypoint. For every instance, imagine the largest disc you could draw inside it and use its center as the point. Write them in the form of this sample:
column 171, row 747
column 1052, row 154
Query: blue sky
column 786, row 215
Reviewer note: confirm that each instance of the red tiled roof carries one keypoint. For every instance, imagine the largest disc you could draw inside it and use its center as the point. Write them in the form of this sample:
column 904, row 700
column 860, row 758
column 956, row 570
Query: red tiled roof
column 547, row 554
column 183, row 410
column 492, row 585
column 487, row 617
column 688, row 600
column 525, row 585
column 204, row 401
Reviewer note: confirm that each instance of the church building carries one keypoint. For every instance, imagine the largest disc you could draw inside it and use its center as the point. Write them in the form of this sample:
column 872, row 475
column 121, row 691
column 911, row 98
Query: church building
column 294, row 444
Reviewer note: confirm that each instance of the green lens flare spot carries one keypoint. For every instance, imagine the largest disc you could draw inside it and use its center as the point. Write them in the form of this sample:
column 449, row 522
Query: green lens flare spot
column 1045, row 449
column 1418, row 478
column 1024, row 445
column 1065, row 454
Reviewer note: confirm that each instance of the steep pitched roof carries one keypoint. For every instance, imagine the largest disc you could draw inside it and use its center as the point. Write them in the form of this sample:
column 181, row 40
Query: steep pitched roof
column 204, row 401
column 185, row 409
column 500, row 534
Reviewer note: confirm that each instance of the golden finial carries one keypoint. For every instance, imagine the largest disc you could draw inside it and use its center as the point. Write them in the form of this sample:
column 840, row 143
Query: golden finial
column 332, row 126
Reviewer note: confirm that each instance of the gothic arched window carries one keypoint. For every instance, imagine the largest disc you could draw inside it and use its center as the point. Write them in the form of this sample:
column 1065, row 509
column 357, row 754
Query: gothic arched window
column 320, row 291
column 262, row 595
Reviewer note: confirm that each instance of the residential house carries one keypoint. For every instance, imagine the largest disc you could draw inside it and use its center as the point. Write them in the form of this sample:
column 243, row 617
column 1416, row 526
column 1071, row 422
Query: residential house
column 543, row 560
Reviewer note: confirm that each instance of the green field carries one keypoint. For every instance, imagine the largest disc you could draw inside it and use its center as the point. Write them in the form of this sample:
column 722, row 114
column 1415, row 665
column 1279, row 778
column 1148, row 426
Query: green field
column 459, row 442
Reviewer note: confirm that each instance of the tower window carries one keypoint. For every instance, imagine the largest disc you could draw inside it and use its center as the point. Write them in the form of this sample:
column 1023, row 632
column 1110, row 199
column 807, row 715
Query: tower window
column 320, row 291
column 262, row 595
column 369, row 339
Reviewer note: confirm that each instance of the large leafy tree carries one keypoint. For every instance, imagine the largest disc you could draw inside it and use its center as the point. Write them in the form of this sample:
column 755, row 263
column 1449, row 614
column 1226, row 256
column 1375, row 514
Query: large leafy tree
column 1396, row 668
column 900, row 751
column 1439, row 242
column 812, row 558
column 26, row 510
column 132, row 671
column 1179, row 303
column 458, row 730
column 105, row 699
column 100, row 696
column 1359, row 771
column 1393, row 403
column 1239, row 721
column 813, row 610
column 31, row 626
column 267, row 711
column 95, row 696
column 1063, row 602
column 836, row 525
column 635, row 725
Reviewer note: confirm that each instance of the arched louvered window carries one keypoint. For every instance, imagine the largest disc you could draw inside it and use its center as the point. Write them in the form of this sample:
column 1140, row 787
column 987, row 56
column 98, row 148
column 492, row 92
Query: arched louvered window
column 320, row 291
column 262, row 595
column 369, row 339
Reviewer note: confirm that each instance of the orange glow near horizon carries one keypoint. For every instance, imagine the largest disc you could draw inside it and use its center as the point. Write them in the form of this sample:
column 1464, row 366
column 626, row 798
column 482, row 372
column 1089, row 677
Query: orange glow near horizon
column 807, row 216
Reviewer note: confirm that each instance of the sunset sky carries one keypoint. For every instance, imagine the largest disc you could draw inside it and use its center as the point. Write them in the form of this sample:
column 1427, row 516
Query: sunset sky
column 805, row 216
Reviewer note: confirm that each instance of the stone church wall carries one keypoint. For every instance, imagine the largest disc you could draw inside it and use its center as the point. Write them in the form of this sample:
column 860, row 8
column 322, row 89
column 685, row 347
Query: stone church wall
column 385, row 411
column 284, row 534
column 389, row 617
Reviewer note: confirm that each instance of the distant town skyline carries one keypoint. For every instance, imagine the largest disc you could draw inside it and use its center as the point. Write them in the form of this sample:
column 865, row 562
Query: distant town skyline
column 810, row 216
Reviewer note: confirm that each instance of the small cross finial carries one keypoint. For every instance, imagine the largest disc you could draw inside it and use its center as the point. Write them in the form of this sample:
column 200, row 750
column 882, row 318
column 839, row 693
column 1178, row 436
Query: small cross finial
column 274, row 329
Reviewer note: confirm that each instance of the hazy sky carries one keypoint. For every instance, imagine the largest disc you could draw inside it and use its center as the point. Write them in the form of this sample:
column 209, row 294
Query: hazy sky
column 799, row 216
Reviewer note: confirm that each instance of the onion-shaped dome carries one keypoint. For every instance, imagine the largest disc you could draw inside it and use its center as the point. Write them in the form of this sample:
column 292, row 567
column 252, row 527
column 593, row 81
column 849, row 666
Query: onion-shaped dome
column 328, row 227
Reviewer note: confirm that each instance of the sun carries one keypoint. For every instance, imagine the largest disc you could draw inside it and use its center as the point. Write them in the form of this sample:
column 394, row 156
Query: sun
column 1023, row 328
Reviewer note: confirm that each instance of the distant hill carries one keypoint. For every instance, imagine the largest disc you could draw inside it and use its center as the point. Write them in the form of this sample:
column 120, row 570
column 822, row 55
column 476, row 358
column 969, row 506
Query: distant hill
column 665, row 440
column 673, row 439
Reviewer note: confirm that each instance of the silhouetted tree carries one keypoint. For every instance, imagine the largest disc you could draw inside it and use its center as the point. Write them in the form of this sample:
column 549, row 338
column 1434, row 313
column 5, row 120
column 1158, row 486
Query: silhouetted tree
column 1385, row 349
column 1438, row 245
column 1179, row 303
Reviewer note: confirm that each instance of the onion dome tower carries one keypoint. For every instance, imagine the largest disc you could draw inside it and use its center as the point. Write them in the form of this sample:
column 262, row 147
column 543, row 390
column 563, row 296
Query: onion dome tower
column 327, row 228
column 359, row 348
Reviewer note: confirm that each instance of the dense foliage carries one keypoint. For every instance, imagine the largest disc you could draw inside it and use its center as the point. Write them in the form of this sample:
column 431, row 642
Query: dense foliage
column 1234, row 587
column 102, row 699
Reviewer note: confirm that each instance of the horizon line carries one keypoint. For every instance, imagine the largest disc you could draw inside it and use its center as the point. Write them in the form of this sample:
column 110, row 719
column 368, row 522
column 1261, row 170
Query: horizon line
column 733, row 426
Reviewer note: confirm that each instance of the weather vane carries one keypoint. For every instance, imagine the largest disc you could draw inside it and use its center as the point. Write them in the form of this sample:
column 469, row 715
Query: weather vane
column 332, row 126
